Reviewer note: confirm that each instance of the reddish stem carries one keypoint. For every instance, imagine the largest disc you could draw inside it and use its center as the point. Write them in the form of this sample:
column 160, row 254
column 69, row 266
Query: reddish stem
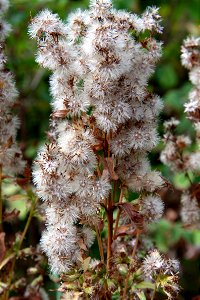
column 110, row 232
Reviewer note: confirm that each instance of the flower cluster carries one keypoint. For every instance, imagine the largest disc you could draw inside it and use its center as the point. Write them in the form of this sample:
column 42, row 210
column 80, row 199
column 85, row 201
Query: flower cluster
column 155, row 266
column 10, row 155
column 104, row 118
column 191, row 60
column 176, row 154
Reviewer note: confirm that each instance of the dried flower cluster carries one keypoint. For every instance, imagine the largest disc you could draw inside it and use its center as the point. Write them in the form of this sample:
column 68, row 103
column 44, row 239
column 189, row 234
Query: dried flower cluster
column 156, row 266
column 103, row 117
column 176, row 154
column 10, row 155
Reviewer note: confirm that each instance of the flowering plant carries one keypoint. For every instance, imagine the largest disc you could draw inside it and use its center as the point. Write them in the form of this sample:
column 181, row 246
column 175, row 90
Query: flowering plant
column 93, row 175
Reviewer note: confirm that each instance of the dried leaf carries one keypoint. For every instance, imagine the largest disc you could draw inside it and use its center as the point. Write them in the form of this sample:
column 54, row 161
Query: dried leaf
column 2, row 245
column 86, row 263
column 62, row 113
column 133, row 214
column 109, row 165
column 82, row 245
column 17, row 197
column 22, row 182
column 9, row 216
column 8, row 143
column 98, row 146
column 125, row 229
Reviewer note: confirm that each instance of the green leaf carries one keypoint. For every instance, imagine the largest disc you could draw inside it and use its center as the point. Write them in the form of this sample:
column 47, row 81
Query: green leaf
column 145, row 285
column 141, row 295
column 196, row 237
column 180, row 181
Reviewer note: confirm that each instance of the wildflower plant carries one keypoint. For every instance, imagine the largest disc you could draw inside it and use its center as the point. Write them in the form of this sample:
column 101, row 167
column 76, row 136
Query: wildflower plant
column 11, row 162
column 102, row 127
column 13, row 176
column 176, row 153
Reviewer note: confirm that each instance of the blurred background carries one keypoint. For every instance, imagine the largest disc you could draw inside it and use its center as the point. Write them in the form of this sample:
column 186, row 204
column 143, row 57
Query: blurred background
column 180, row 19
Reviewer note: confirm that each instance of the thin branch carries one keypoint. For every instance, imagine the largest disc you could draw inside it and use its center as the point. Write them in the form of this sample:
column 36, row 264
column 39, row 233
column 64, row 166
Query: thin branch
column 129, row 271
column 118, row 215
column 1, row 201
column 99, row 243
column 110, row 232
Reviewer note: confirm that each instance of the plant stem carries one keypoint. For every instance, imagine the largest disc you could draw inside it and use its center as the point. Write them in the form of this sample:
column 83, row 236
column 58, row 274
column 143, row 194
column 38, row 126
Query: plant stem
column 11, row 273
column 136, row 243
column 1, row 201
column 118, row 215
column 99, row 243
column 154, row 293
column 129, row 271
column 110, row 231
column 109, row 210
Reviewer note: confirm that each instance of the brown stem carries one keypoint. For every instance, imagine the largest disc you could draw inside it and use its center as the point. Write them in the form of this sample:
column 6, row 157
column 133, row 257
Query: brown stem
column 110, row 231
column 108, row 144
column 99, row 244
column 129, row 271
column 1, row 201
column 118, row 215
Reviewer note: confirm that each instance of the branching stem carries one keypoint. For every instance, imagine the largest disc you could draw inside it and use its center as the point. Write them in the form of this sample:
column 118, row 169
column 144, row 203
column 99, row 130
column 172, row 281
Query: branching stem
column 99, row 243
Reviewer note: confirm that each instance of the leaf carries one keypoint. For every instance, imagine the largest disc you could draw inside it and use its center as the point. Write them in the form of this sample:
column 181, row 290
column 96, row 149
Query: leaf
column 86, row 263
column 17, row 197
column 2, row 246
column 82, row 245
column 22, row 182
column 125, row 230
column 141, row 295
column 9, row 216
column 133, row 214
column 145, row 285
column 62, row 113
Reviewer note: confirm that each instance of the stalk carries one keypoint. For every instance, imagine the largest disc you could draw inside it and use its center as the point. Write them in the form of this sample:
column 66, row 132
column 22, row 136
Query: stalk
column 99, row 243
column 129, row 271
column 1, row 201
column 110, row 232
column 154, row 293
column 118, row 215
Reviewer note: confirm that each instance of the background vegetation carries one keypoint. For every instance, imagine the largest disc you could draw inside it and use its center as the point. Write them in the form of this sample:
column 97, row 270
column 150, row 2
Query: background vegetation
column 180, row 19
